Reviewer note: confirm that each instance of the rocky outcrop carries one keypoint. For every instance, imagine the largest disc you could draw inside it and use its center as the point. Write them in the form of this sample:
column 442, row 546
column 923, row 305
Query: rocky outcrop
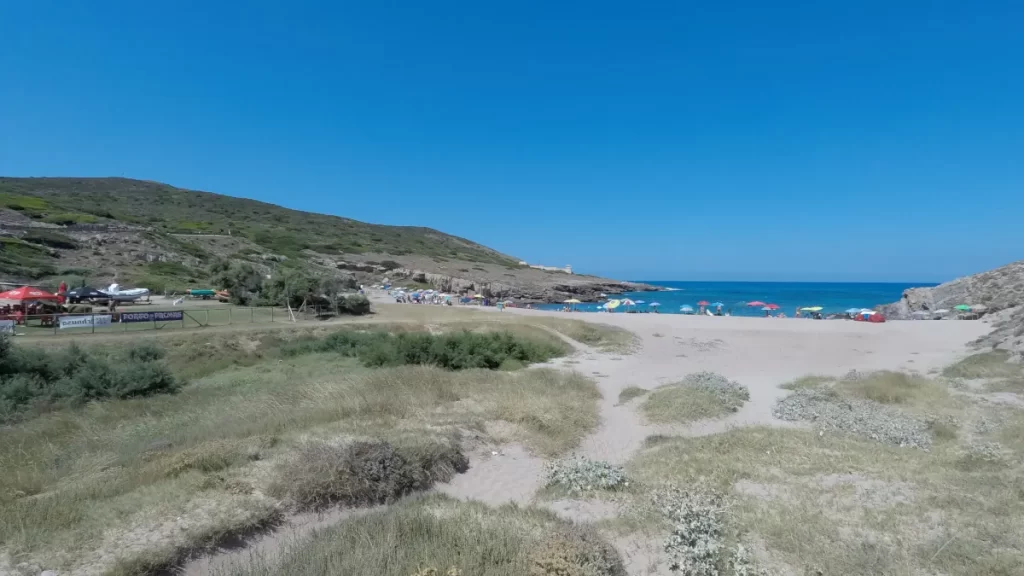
column 997, row 290
column 1001, row 291
column 581, row 287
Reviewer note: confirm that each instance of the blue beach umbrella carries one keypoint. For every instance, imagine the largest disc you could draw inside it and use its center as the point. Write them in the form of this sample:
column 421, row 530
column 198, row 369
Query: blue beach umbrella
column 716, row 304
column 852, row 310
column 686, row 308
column 640, row 302
column 654, row 304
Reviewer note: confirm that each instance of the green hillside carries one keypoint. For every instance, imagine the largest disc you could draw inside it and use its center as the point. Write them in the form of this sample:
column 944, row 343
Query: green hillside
column 167, row 212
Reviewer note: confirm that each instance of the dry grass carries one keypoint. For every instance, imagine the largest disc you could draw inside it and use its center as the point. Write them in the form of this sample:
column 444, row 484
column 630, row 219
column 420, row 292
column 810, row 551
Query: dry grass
column 436, row 535
column 682, row 404
column 805, row 382
column 992, row 364
column 896, row 388
column 631, row 392
column 699, row 396
column 75, row 479
column 846, row 506
column 602, row 336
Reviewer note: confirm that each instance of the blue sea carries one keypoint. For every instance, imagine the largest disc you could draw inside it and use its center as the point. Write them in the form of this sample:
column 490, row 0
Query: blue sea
column 831, row 296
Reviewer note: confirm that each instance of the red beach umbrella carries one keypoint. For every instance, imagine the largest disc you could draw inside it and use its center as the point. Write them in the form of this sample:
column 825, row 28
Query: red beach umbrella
column 27, row 293
column 756, row 303
column 772, row 306
column 702, row 303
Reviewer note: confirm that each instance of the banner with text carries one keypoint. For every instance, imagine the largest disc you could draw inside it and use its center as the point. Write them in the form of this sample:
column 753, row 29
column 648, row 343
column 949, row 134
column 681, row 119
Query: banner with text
column 128, row 317
column 65, row 322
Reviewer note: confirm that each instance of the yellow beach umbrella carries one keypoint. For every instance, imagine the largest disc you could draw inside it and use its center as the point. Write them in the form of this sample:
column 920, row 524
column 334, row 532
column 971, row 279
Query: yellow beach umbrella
column 811, row 309
column 612, row 304
column 572, row 301
column 478, row 295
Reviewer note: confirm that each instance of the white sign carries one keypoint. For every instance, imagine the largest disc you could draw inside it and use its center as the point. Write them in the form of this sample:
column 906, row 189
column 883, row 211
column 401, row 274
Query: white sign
column 84, row 321
column 6, row 326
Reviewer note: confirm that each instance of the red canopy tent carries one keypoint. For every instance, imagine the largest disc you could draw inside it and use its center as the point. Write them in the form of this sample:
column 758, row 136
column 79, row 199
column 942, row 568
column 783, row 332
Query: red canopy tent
column 28, row 293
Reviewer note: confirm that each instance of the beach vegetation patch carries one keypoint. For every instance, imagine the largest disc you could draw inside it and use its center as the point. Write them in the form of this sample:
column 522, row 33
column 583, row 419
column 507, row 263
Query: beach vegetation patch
column 579, row 475
column 991, row 364
column 809, row 381
column 438, row 536
column 455, row 351
column 887, row 387
column 698, row 396
column 320, row 474
column 37, row 380
column 630, row 392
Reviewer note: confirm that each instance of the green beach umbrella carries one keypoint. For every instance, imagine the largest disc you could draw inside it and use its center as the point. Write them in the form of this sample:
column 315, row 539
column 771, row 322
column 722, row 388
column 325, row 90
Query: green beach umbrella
column 963, row 308
column 811, row 309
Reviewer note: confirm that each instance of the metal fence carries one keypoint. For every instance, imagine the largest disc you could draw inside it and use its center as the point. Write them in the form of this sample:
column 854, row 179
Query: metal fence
column 137, row 318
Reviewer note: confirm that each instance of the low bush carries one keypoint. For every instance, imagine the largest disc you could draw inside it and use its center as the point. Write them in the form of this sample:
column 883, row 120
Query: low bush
column 457, row 351
column 362, row 473
column 32, row 379
column 575, row 551
column 702, row 543
column 583, row 475
column 355, row 305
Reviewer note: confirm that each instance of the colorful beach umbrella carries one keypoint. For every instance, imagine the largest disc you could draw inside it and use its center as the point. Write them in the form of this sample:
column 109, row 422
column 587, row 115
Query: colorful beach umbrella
column 628, row 302
column 811, row 309
column 572, row 301
column 756, row 303
column 613, row 304
column 702, row 303
column 772, row 306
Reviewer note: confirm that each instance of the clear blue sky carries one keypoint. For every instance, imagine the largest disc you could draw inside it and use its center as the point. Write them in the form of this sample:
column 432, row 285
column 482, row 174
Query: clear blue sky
column 676, row 140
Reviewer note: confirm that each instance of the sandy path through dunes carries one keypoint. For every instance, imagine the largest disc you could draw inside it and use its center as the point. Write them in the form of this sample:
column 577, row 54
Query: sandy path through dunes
column 759, row 353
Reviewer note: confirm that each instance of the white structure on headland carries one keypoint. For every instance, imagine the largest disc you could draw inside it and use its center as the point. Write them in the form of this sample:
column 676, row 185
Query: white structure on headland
column 567, row 269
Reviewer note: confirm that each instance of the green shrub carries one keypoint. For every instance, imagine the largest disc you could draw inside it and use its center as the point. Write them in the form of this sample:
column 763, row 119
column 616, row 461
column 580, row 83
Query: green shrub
column 580, row 475
column 320, row 474
column 457, row 351
column 355, row 305
column 33, row 379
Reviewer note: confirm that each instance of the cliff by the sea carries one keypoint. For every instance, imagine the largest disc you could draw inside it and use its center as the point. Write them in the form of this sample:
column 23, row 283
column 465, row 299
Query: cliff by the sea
column 1001, row 291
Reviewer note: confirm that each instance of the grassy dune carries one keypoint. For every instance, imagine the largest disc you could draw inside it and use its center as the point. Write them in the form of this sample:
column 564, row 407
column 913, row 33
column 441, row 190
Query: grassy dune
column 138, row 480
column 847, row 504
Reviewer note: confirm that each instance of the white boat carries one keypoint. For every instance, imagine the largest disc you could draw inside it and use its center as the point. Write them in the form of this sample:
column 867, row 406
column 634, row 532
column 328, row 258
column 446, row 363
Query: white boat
column 126, row 294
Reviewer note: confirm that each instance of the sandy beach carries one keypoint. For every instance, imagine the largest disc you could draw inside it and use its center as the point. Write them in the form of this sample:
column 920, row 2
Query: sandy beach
column 760, row 353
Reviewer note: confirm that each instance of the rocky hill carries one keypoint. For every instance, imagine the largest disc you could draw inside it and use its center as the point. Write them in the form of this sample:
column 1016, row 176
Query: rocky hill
column 1001, row 291
column 168, row 239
